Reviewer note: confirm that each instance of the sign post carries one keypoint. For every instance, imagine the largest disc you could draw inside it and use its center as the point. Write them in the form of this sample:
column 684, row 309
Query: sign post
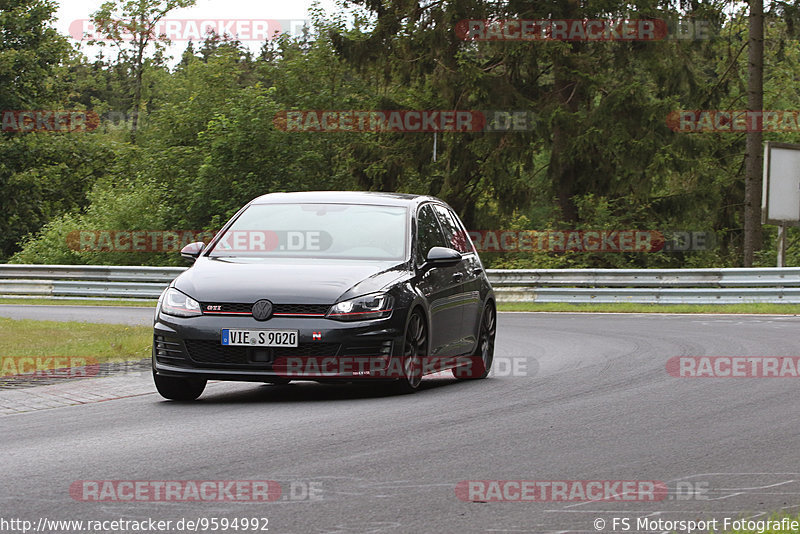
column 780, row 201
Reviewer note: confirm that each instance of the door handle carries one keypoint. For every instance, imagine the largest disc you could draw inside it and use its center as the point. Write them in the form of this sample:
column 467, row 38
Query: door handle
column 457, row 277
column 477, row 270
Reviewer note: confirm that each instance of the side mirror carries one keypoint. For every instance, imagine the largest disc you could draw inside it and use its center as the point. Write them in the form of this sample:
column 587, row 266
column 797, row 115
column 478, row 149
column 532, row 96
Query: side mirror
column 443, row 257
column 192, row 250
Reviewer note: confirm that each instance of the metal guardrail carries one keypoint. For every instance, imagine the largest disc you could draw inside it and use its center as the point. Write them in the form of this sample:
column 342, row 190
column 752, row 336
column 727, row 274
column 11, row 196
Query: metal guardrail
column 105, row 273
column 89, row 281
column 649, row 286
column 645, row 286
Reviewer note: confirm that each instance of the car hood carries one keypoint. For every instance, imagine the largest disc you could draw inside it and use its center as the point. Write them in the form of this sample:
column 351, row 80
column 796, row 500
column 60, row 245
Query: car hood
column 285, row 280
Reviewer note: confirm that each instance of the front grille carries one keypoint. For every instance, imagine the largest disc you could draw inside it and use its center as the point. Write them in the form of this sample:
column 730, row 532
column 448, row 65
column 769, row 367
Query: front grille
column 300, row 309
column 237, row 308
column 212, row 352
column 226, row 308
column 168, row 349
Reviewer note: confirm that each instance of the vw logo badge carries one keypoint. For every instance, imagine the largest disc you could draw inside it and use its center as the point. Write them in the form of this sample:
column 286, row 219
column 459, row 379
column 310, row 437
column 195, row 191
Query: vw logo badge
column 262, row 310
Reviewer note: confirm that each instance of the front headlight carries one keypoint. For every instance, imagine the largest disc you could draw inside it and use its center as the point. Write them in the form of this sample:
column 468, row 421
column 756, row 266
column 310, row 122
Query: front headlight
column 176, row 303
column 374, row 306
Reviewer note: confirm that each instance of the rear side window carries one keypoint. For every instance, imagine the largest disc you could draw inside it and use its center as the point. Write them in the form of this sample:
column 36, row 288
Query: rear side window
column 455, row 234
column 429, row 234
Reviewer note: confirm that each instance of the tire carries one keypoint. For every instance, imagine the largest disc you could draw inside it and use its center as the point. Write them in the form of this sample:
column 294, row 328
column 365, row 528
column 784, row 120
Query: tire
column 415, row 348
column 482, row 358
column 179, row 389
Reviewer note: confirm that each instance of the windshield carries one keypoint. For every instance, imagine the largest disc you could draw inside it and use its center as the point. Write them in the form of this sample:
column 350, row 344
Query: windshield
column 343, row 231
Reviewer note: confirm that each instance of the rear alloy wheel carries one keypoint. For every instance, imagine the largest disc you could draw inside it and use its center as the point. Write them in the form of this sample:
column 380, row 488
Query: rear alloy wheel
column 179, row 389
column 482, row 358
column 415, row 349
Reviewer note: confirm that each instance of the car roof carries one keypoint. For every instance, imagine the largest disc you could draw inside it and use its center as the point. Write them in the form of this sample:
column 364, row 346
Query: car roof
column 346, row 197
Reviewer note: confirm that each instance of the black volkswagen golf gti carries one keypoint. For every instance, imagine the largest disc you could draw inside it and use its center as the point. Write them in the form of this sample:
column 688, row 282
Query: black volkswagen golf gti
column 327, row 286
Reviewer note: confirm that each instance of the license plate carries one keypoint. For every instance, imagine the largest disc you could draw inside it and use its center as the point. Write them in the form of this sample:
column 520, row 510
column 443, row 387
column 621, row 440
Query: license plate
column 259, row 338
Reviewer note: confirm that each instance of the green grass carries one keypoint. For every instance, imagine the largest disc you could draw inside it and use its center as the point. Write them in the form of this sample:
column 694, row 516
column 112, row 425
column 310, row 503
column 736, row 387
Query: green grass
column 138, row 303
column 626, row 307
column 103, row 342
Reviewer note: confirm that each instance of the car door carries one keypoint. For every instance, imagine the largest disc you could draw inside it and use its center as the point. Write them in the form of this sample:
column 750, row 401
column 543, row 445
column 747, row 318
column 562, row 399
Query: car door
column 470, row 270
column 441, row 285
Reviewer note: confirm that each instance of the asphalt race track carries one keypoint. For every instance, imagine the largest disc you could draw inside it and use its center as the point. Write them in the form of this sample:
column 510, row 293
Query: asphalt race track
column 576, row 397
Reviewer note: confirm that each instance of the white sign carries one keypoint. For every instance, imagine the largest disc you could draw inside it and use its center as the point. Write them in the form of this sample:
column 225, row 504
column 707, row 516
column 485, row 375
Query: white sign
column 780, row 200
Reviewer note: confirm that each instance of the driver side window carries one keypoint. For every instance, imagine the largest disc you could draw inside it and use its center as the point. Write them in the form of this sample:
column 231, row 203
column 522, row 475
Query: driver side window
column 429, row 234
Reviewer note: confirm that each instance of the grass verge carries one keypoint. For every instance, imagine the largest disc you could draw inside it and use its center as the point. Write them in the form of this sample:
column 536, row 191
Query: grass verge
column 627, row 307
column 103, row 342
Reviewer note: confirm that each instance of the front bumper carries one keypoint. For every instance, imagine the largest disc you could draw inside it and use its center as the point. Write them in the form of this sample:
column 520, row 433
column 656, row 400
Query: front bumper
column 191, row 347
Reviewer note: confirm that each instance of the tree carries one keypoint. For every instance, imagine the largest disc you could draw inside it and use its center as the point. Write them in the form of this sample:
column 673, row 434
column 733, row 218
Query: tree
column 31, row 54
column 593, row 101
column 40, row 174
column 753, row 158
column 134, row 20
